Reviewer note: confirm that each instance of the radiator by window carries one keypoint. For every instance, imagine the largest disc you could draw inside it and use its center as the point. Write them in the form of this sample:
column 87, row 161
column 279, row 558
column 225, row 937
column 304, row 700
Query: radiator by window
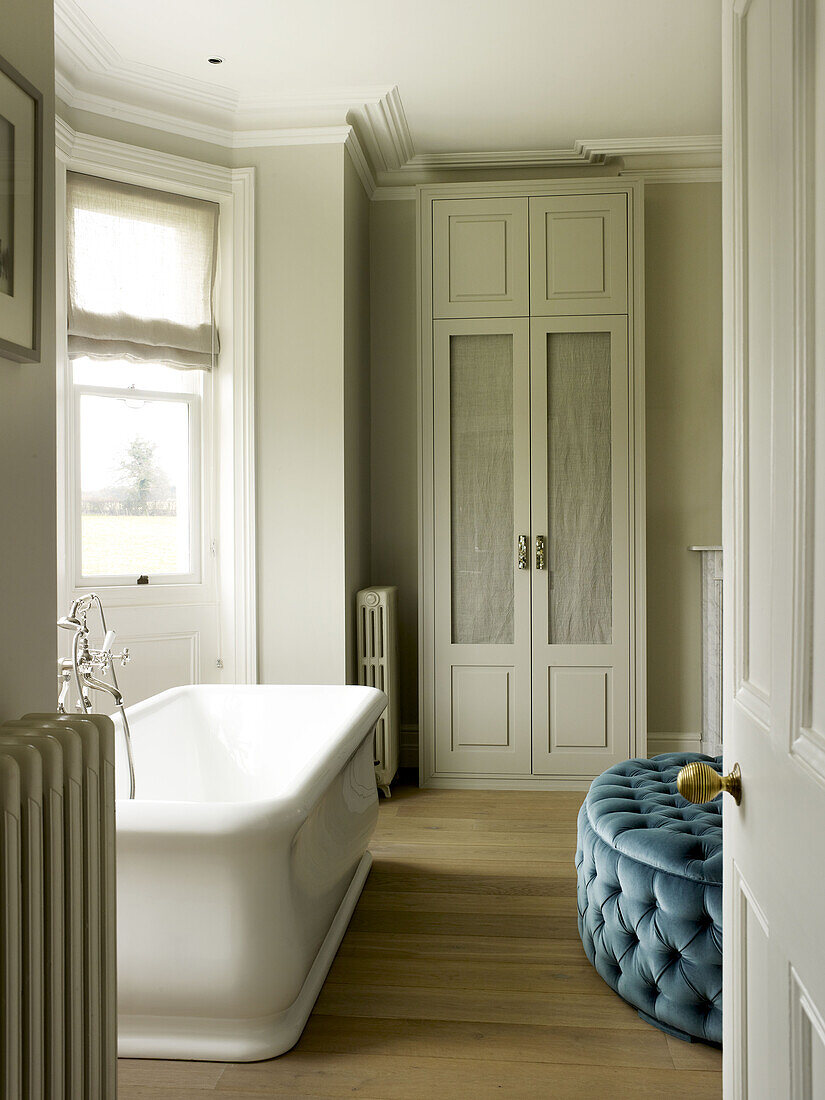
column 377, row 614
column 58, row 1013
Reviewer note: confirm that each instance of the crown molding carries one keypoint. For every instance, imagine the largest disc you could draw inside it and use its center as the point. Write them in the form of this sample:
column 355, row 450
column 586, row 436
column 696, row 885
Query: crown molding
column 593, row 151
column 88, row 152
column 708, row 145
column 92, row 76
column 521, row 158
column 360, row 163
column 675, row 175
column 370, row 121
column 83, row 52
column 386, row 135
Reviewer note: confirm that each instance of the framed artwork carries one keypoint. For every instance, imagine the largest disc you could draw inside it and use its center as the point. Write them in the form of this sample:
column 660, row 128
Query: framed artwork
column 21, row 184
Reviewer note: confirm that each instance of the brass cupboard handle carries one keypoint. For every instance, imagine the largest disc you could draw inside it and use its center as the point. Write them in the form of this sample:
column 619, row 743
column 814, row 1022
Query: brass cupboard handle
column 541, row 552
column 523, row 552
column 698, row 782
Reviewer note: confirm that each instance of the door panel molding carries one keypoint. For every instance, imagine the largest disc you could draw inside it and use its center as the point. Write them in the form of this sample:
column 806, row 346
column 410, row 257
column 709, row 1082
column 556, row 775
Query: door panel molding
column 481, row 258
column 807, row 1080
column 463, row 661
column 739, row 975
column 587, row 235
column 550, row 758
column 807, row 741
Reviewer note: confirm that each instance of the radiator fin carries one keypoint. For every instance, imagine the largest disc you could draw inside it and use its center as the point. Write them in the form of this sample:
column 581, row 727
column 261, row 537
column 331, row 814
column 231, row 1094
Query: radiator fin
column 57, row 905
column 377, row 621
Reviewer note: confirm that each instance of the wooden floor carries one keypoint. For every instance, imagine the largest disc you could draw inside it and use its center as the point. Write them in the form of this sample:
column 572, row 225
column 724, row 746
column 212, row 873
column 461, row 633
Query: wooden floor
column 461, row 975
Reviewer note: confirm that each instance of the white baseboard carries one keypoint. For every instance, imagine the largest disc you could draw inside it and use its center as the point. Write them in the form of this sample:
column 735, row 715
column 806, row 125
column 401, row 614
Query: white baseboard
column 673, row 742
column 656, row 743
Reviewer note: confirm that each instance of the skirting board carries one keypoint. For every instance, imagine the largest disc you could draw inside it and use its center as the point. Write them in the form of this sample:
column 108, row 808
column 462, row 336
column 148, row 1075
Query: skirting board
column 656, row 743
column 673, row 742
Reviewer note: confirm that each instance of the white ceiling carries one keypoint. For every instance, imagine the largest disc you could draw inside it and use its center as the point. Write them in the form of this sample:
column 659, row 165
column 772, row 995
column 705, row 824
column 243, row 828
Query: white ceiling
column 473, row 75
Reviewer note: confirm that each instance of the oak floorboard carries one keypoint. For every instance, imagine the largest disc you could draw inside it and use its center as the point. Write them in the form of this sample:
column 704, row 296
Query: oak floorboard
column 462, row 975
column 466, row 876
column 434, row 972
column 592, row 1010
column 422, row 901
column 478, row 852
column 134, row 1072
column 693, row 1055
column 382, row 1077
column 489, row 825
column 534, row 926
column 497, row 843
column 496, row 1042
column 406, row 948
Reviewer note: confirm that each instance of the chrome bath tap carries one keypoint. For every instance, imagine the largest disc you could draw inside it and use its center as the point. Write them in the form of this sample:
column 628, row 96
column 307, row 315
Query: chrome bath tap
column 87, row 667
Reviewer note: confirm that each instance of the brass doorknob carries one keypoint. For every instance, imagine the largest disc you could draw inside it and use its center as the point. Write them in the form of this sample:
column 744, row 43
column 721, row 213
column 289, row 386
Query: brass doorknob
column 698, row 782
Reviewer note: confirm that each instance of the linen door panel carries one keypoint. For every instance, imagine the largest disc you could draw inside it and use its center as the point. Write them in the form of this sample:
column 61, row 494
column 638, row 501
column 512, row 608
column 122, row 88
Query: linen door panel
column 581, row 507
column 482, row 506
column 480, row 258
column 578, row 255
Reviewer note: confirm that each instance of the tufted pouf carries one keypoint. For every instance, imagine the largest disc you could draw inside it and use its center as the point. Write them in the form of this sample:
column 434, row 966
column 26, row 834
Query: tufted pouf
column 649, row 868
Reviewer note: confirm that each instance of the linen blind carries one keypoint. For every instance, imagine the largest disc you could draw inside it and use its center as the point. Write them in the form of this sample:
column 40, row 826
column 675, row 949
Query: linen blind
column 141, row 274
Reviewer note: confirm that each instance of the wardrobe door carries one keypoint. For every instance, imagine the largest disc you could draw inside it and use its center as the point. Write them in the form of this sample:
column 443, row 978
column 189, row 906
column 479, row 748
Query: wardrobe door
column 581, row 576
column 578, row 255
column 482, row 507
column 480, row 258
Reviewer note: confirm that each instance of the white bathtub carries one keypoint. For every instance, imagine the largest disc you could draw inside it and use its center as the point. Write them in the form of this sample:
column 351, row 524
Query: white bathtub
column 239, row 863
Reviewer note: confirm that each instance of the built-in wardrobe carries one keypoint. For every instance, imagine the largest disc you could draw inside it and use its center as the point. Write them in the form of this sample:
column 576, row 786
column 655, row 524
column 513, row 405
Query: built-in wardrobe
column 532, row 481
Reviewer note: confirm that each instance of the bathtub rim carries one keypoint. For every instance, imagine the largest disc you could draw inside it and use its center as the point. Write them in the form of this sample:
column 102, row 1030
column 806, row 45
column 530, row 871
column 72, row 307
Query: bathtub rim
column 141, row 816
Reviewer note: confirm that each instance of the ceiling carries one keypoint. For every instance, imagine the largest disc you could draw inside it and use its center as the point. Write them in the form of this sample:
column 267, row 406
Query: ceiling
column 471, row 77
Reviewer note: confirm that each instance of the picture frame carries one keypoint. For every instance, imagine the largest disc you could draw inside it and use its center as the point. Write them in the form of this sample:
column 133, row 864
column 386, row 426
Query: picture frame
column 21, row 212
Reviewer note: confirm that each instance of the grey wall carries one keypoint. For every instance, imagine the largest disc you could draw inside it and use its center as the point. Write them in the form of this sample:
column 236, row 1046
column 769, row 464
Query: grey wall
column 684, row 432
column 300, row 415
column 312, row 394
column 356, row 398
column 394, row 390
column 683, row 400
column 28, row 566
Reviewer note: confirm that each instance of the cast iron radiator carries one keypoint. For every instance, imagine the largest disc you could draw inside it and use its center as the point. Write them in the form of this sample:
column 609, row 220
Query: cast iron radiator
column 58, row 1013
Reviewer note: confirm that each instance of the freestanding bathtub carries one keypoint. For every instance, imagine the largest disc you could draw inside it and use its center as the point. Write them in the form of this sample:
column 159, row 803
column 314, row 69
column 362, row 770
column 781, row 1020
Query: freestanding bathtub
column 239, row 863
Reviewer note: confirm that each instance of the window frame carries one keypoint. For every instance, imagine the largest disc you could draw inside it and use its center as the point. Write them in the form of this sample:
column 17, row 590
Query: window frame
column 200, row 462
column 229, row 556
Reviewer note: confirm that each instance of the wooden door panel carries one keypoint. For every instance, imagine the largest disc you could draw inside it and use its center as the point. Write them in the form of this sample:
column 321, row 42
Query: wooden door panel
column 482, row 505
column 580, row 706
column 578, row 255
column 480, row 250
column 581, row 505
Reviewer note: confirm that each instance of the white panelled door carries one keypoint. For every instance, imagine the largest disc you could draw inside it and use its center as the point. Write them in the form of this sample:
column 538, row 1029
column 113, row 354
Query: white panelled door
column 774, row 534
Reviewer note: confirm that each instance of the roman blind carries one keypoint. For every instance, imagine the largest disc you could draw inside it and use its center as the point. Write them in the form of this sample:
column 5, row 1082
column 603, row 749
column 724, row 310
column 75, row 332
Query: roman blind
column 141, row 274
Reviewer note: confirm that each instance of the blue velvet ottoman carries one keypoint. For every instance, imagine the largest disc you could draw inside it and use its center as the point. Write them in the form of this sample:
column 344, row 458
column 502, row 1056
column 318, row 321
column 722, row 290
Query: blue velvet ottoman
column 649, row 868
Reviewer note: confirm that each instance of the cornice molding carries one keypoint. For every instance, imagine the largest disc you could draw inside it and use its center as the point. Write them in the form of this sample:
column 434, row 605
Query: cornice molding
column 86, row 151
column 92, row 76
column 360, row 162
column 675, row 175
column 585, row 151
